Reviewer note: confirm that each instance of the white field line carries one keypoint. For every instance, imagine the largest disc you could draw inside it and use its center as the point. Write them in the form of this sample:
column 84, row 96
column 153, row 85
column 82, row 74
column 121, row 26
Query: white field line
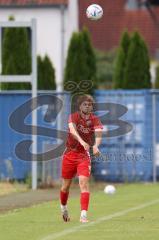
column 99, row 220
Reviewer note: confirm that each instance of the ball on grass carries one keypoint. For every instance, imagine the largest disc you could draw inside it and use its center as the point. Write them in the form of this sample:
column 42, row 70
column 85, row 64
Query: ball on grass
column 109, row 189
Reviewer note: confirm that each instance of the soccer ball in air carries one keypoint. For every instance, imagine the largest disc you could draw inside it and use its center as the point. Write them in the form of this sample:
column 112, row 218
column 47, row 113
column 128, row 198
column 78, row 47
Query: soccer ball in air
column 109, row 189
column 94, row 12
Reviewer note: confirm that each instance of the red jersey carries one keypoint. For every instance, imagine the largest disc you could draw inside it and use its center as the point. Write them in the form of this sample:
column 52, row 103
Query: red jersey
column 85, row 128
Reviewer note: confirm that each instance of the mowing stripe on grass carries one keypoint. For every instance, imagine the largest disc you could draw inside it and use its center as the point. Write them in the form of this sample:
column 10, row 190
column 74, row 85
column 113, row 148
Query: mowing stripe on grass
column 99, row 220
column 17, row 210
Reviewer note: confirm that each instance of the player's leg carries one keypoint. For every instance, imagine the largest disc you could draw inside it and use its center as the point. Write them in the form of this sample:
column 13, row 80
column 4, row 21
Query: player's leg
column 64, row 193
column 84, row 173
column 68, row 172
column 84, row 199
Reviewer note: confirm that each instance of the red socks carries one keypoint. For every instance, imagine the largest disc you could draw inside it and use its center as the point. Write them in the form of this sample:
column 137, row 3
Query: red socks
column 84, row 200
column 63, row 197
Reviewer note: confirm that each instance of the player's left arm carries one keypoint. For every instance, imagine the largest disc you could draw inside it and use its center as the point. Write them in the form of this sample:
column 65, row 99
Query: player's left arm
column 98, row 140
column 98, row 129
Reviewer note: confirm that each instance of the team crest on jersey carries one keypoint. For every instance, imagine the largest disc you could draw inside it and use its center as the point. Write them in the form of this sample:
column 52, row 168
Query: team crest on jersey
column 88, row 123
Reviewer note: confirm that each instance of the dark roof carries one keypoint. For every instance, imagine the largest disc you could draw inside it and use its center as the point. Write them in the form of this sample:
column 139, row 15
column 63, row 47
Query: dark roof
column 30, row 3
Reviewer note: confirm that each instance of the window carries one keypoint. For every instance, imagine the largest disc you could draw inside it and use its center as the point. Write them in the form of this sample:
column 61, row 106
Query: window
column 132, row 4
column 154, row 2
column 136, row 4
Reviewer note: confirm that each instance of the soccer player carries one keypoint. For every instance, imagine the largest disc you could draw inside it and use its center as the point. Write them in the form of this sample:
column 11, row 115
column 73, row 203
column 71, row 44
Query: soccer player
column 85, row 130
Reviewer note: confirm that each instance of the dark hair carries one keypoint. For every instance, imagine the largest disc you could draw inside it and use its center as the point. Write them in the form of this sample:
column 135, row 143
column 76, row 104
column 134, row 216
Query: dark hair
column 84, row 98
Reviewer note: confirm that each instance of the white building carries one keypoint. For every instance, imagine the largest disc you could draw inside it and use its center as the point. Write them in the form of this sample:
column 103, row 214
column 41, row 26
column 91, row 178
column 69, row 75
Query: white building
column 56, row 20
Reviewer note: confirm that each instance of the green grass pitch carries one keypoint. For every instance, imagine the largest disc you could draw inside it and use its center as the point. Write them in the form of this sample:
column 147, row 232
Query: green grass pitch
column 131, row 214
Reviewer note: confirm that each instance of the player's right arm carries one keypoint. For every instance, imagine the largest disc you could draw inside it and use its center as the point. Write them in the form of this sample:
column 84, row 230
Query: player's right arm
column 74, row 132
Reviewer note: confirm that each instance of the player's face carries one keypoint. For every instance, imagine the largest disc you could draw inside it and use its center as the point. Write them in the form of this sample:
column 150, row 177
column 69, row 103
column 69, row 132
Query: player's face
column 86, row 107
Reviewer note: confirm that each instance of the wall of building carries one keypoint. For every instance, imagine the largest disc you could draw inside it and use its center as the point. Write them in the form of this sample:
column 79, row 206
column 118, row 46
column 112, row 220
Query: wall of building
column 119, row 16
column 54, row 30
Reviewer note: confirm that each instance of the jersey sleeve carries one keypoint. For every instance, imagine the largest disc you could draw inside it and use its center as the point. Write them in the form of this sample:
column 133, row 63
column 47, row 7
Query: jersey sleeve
column 73, row 118
column 97, row 123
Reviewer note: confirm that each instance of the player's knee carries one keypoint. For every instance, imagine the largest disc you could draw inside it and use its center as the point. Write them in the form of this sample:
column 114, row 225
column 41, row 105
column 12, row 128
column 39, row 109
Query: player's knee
column 65, row 187
column 83, row 185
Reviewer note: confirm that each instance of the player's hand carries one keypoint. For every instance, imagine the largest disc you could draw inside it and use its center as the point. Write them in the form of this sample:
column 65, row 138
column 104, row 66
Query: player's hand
column 85, row 145
column 96, row 151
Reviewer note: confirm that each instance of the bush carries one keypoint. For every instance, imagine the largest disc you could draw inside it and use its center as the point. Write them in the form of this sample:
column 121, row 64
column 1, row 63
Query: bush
column 46, row 74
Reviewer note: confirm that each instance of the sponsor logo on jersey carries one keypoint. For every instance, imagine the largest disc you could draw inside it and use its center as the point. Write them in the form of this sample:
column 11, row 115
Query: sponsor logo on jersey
column 83, row 129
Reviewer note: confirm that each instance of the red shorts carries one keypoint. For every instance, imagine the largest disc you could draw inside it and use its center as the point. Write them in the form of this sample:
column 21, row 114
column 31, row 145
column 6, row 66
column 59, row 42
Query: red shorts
column 75, row 163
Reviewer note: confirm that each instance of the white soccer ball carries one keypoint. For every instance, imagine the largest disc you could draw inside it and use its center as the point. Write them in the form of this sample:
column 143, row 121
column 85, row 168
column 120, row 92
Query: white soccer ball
column 94, row 12
column 110, row 189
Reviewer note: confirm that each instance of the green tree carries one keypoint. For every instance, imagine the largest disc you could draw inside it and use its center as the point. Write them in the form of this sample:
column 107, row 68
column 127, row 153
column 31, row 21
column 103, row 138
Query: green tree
column 157, row 78
column 137, row 75
column 16, row 54
column 40, row 72
column 146, row 65
column 105, row 68
column 118, row 76
column 46, row 74
column 72, row 61
column 80, row 62
column 90, row 58
column 10, row 67
column 121, row 59
column 125, row 41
